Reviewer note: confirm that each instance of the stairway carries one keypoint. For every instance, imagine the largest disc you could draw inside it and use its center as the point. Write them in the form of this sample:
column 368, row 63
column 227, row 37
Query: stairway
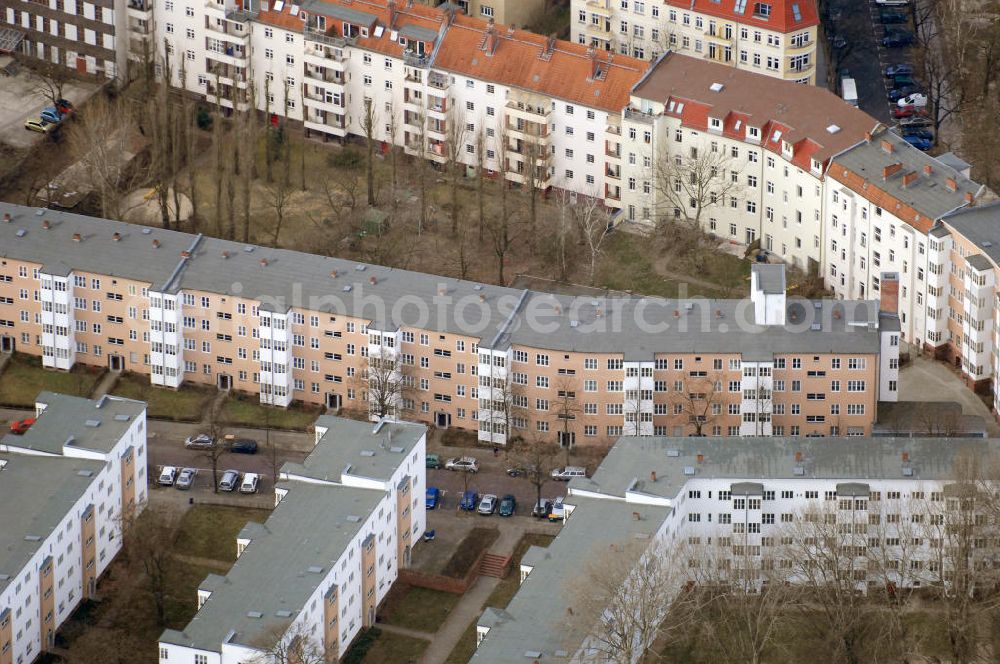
column 494, row 565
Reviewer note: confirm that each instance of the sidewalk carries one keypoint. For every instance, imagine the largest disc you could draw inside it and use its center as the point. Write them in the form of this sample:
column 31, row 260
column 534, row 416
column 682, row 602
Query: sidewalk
column 105, row 385
column 467, row 611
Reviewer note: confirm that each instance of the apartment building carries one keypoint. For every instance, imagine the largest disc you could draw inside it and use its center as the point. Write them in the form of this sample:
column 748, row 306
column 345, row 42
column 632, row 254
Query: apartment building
column 883, row 198
column 740, row 154
column 750, row 509
column 536, row 109
column 508, row 12
column 291, row 326
column 64, row 487
column 312, row 576
column 87, row 37
column 777, row 39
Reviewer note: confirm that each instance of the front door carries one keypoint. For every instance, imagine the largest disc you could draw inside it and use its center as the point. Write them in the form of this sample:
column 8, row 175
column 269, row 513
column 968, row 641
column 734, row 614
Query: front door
column 6, row 344
column 567, row 439
column 116, row 363
column 333, row 401
column 443, row 420
column 225, row 382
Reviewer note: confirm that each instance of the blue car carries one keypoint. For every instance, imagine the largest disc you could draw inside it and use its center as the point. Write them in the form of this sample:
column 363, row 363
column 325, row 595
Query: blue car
column 469, row 501
column 897, row 39
column 50, row 114
column 893, row 71
column 432, row 497
column 918, row 142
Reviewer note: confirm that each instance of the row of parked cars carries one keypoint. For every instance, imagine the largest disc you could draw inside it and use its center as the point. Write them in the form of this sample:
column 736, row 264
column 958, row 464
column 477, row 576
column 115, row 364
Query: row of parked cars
column 204, row 441
column 904, row 90
column 231, row 480
column 51, row 117
column 470, row 464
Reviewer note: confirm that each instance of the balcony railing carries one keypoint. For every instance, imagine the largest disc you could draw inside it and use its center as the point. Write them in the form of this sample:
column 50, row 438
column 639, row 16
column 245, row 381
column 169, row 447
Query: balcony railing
column 638, row 116
column 311, row 34
column 415, row 60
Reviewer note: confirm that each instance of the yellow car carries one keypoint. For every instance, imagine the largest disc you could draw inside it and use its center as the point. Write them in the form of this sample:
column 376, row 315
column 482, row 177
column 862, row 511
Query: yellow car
column 39, row 125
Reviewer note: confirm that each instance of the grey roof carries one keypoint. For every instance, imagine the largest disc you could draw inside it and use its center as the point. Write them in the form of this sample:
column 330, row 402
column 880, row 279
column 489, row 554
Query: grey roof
column 392, row 298
column 418, row 32
column 770, row 278
column 632, row 460
column 939, row 231
column 981, row 226
column 35, row 495
column 355, row 16
column 83, row 423
column 537, row 619
column 979, row 262
column 133, row 256
column 352, row 443
column 928, row 194
column 308, row 529
column 954, row 161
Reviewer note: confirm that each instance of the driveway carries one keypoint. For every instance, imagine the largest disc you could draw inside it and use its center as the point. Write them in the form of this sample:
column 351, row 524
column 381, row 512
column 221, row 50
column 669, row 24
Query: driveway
column 21, row 98
column 924, row 380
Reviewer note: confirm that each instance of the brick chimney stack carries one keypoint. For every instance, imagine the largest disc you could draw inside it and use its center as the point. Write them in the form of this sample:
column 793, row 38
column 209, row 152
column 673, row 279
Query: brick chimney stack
column 890, row 170
column 492, row 38
column 889, row 289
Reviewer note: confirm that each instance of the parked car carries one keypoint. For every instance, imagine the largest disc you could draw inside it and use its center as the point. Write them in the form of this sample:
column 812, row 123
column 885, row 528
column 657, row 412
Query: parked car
column 557, row 512
column 919, row 132
column 892, row 3
column 900, row 112
column 897, row 39
column 467, row 464
column 21, row 427
column 568, row 473
column 898, row 70
column 433, row 461
column 917, row 99
column 202, row 441
column 898, row 93
column 918, row 143
column 185, row 480
column 51, row 114
column 65, row 106
column 839, row 42
column 249, row 484
column 167, row 475
column 432, row 497
column 508, row 504
column 39, row 125
column 242, row 446
column 901, row 80
column 469, row 501
column 487, row 505
column 541, row 508
column 893, row 17
column 230, row 480
column 916, row 121
column 522, row 471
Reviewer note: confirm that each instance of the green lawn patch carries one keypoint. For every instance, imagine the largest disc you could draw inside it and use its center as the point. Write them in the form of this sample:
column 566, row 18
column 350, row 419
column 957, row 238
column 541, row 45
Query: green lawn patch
column 209, row 531
column 465, row 648
column 25, row 377
column 186, row 404
column 243, row 410
column 507, row 588
column 468, row 550
column 421, row 609
column 378, row 647
column 182, row 590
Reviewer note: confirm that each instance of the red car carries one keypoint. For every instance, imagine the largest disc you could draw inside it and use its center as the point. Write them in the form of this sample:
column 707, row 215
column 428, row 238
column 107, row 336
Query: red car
column 21, row 426
column 900, row 112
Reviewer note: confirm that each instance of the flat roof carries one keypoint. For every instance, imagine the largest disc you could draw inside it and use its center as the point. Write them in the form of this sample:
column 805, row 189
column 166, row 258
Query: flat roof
column 370, row 454
column 36, row 493
column 281, row 568
column 770, row 278
column 633, row 460
column 981, row 226
column 84, row 423
column 538, row 620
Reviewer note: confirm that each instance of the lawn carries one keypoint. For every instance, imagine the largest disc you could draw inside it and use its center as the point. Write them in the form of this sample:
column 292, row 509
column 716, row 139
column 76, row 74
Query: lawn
column 377, row 647
column 421, row 609
column 25, row 377
column 182, row 591
column 468, row 550
column 244, row 411
column 209, row 531
column 186, row 404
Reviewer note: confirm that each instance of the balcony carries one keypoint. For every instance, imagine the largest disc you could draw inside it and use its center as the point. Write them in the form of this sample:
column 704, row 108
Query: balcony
column 613, row 151
column 613, row 172
column 226, row 30
column 599, row 29
column 229, row 55
column 324, row 75
column 140, row 9
column 635, row 115
column 326, row 123
column 317, row 53
column 599, row 7
column 528, row 131
column 412, row 59
column 312, row 34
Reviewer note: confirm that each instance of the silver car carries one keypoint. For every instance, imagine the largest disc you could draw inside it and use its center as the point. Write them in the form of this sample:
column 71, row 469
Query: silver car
column 186, row 478
column 230, row 480
column 202, row 441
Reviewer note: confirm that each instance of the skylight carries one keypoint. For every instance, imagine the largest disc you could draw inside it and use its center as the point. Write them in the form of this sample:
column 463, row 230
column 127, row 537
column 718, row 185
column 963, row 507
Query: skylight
column 741, row 6
column 796, row 12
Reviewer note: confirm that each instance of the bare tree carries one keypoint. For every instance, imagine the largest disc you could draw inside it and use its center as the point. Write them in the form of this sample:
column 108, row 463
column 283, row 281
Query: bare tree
column 393, row 126
column 594, row 222
column 49, row 79
column 148, row 544
column 289, row 644
column 213, row 454
column 385, row 382
column 698, row 401
column 499, row 227
column 533, row 462
column 685, row 186
column 481, row 147
column 455, row 137
column 369, row 124
column 101, row 141
column 567, row 408
column 279, row 195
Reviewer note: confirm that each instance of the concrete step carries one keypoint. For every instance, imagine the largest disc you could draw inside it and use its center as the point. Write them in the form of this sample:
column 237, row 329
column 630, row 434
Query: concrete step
column 494, row 565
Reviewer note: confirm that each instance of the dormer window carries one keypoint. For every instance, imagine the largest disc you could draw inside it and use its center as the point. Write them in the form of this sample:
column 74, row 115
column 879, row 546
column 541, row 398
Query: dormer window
column 761, row 10
column 670, row 106
column 753, row 132
column 715, row 123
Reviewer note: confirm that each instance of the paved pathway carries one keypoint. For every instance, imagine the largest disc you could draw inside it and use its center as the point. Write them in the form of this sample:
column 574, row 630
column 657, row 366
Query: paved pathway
column 403, row 631
column 105, row 385
column 465, row 612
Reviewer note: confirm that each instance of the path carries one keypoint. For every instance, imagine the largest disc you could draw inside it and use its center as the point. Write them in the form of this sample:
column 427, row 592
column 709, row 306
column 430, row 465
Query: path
column 201, row 561
column 4, row 359
column 403, row 631
column 468, row 609
column 105, row 385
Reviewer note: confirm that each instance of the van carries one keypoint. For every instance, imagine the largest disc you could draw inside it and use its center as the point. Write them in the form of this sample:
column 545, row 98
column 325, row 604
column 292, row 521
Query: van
column 849, row 91
column 568, row 473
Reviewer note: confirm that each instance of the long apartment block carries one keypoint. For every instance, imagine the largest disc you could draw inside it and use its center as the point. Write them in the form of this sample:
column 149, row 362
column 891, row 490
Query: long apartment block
column 291, row 326
column 309, row 579
column 714, row 512
column 66, row 488
column 776, row 38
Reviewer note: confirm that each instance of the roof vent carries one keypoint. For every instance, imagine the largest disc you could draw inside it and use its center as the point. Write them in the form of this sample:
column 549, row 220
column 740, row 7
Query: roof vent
column 353, row 518
column 716, row 87
column 315, row 569
column 21, row 232
column 347, row 289
column 117, row 237
column 360, row 268
column 122, row 418
column 987, row 244
column 93, row 424
column 85, row 473
column 907, row 471
column 816, row 327
column 689, row 470
column 396, row 449
column 77, row 237
column 249, row 248
column 147, row 231
column 225, row 254
column 156, row 244
column 46, row 224
column 799, row 470
column 32, row 538
column 477, row 287
column 832, row 129
column 284, row 613
column 532, row 654
column 254, row 614
column 673, row 453
column 367, row 453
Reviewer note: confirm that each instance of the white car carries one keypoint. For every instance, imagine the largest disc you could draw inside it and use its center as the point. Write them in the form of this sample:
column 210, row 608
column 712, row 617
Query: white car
column 249, row 484
column 167, row 475
column 917, row 99
column 568, row 473
column 890, row 3
column 468, row 464
column 488, row 504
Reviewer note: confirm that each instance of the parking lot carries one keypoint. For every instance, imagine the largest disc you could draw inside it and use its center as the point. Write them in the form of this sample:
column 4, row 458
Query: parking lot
column 863, row 52
column 20, row 99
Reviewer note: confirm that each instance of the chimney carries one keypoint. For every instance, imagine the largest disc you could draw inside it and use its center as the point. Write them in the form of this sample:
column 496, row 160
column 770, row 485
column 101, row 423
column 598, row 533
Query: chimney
column 156, row 244
column 906, row 457
column 263, row 262
column 550, row 44
column 333, row 273
column 6, row 217
column 46, row 224
column 928, row 171
column 890, row 170
column 889, row 293
column 636, row 516
column 225, row 254
column 77, row 237
column 652, row 476
column 185, row 254
column 951, row 185
column 482, row 297
column 492, row 38
column 442, row 290
column 908, row 178
column 594, row 63
column 868, row 137
column 798, row 457
column 372, row 280
column 701, row 458
column 969, row 197
column 391, row 7
column 886, row 146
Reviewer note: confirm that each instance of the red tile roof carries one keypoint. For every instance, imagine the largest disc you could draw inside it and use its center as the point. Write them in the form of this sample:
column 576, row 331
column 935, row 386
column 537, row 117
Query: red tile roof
column 282, row 18
column 416, row 15
column 528, row 61
column 781, row 19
